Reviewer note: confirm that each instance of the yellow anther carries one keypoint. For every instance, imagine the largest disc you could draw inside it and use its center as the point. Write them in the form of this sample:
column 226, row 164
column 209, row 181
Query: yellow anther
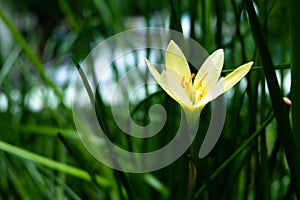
column 191, row 78
column 183, row 82
column 199, row 96
column 201, row 81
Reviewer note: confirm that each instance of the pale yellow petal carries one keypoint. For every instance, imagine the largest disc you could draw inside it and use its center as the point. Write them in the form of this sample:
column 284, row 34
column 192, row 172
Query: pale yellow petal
column 235, row 76
column 152, row 69
column 218, row 58
column 157, row 77
column 170, row 85
column 210, row 70
column 176, row 61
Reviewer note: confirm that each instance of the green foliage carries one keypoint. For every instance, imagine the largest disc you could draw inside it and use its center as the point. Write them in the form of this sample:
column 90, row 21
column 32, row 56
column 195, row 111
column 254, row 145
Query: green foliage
column 41, row 155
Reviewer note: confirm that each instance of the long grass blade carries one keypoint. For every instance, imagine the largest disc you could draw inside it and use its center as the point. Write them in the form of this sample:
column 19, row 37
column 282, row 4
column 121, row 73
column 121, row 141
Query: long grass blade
column 280, row 111
column 22, row 153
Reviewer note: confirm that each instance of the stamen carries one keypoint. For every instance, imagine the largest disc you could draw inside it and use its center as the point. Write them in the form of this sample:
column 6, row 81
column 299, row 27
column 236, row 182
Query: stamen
column 188, row 90
column 183, row 82
column 191, row 78
column 201, row 81
column 188, row 85
column 199, row 96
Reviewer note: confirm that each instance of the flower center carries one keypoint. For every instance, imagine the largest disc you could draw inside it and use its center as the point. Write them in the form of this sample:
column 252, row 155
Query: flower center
column 187, row 85
column 195, row 93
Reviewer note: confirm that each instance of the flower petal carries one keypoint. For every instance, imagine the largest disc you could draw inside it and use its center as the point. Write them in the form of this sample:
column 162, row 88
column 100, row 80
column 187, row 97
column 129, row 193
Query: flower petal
column 152, row 69
column 211, row 69
column 235, row 76
column 176, row 61
column 218, row 58
column 170, row 85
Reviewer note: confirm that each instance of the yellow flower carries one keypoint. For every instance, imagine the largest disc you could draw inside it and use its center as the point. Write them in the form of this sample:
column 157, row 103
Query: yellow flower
column 192, row 91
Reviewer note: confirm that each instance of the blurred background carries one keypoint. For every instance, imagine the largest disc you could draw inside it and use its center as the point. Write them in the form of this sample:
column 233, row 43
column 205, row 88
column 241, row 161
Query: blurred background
column 41, row 155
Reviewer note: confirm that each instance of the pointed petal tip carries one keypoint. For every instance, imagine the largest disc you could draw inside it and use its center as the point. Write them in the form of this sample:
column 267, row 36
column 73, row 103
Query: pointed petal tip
column 147, row 61
column 172, row 43
column 220, row 51
column 152, row 69
column 248, row 65
column 176, row 61
column 218, row 58
column 236, row 75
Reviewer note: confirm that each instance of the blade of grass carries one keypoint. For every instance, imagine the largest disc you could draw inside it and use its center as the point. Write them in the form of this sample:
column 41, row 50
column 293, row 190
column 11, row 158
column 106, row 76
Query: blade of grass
column 79, row 157
column 13, row 55
column 31, row 56
column 47, row 173
column 49, row 131
column 156, row 184
column 88, row 163
column 102, row 120
column 51, row 163
column 110, row 22
column 193, row 7
column 235, row 154
column 67, row 10
column 295, row 66
column 280, row 111
column 38, row 180
column 175, row 16
column 265, row 162
column 237, row 16
column 19, row 188
column 219, row 17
